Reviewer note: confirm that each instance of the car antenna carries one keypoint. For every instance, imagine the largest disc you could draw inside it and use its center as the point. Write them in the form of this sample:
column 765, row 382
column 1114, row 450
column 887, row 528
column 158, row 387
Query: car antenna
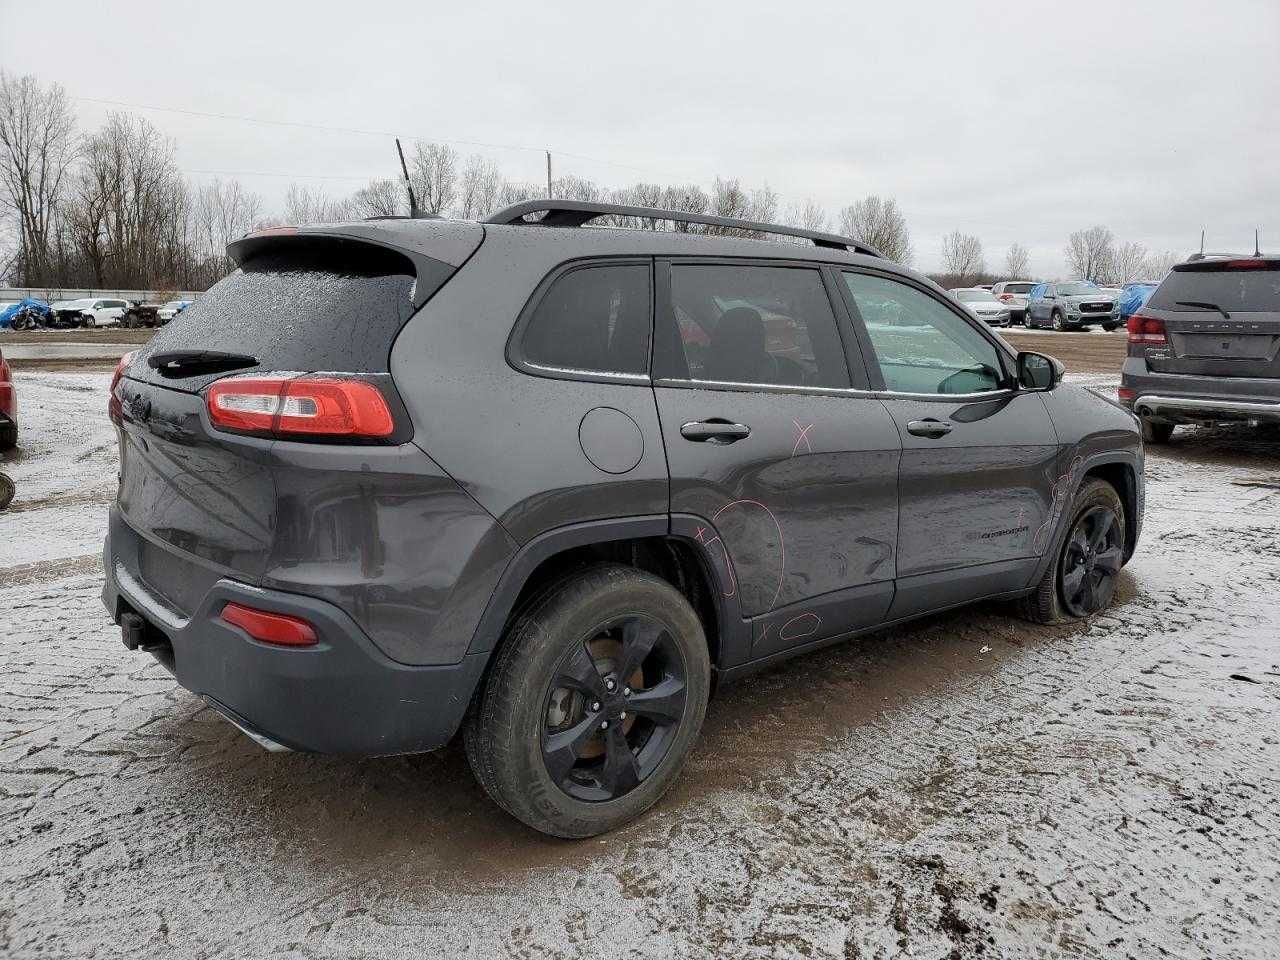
column 1257, row 250
column 1201, row 229
column 408, row 184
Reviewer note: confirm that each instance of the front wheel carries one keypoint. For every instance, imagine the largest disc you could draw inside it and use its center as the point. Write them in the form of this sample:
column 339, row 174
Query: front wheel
column 1058, row 323
column 1108, row 327
column 1082, row 580
column 593, row 702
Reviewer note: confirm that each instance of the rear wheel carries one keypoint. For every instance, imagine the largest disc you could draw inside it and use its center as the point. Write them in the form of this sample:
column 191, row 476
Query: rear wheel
column 592, row 704
column 1082, row 580
column 1155, row 431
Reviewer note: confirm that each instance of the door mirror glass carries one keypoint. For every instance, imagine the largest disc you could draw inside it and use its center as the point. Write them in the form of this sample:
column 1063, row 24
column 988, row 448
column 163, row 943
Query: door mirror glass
column 1038, row 372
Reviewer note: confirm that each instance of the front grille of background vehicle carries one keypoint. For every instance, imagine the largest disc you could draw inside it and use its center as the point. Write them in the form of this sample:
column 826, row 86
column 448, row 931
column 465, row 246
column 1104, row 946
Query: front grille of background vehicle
column 1096, row 306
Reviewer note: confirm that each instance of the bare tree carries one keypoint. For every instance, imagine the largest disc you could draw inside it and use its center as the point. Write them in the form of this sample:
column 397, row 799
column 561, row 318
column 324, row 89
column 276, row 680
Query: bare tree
column 37, row 147
column 1159, row 264
column 1129, row 262
column 1091, row 253
column 686, row 198
column 517, row 192
column 221, row 211
column 380, row 198
column 879, row 223
column 1017, row 262
column 303, row 205
column 480, row 186
column 808, row 215
column 962, row 257
column 434, row 172
column 729, row 199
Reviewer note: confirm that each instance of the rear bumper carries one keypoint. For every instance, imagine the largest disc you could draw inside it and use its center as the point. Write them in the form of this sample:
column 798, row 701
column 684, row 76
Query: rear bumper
column 1185, row 398
column 1204, row 408
column 342, row 695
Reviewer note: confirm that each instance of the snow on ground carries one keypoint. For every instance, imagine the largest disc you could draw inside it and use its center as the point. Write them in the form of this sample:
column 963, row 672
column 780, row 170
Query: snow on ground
column 966, row 786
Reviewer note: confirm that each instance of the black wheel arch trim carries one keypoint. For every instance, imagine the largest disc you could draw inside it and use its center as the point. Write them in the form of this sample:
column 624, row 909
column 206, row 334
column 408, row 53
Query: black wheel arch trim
column 1132, row 499
column 734, row 641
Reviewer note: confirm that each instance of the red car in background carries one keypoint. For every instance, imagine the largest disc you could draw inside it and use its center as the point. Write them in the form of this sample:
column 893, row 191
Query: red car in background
column 8, row 407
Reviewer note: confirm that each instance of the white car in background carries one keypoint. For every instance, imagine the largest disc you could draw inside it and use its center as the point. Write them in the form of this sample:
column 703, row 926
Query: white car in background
column 983, row 305
column 1013, row 294
column 98, row 312
column 171, row 310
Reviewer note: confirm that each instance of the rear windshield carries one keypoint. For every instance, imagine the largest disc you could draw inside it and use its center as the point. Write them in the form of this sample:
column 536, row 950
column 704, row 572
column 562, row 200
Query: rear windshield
column 316, row 307
column 1250, row 290
column 1018, row 287
column 976, row 296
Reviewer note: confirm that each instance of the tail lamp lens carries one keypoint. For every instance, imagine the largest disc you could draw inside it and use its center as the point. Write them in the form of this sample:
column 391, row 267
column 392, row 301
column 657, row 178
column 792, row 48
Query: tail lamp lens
column 300, row 407
column 1124, row 393
column 275, row 628
column 114, row 409
column 1145, row 329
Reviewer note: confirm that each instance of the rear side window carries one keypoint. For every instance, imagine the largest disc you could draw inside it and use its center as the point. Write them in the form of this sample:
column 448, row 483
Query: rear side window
column 1250, row 290
column 756, row 325
column 594, row 319
column 307, row 307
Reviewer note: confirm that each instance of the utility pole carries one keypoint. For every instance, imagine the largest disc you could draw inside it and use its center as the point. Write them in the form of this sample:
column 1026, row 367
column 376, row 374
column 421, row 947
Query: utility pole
column 548, row 174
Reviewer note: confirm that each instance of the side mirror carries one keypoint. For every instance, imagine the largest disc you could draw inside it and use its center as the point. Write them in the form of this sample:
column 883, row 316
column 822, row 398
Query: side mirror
column 1038, row 372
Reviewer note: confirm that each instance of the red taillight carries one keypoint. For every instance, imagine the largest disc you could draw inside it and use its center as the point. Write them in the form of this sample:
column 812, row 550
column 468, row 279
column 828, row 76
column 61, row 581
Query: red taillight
column 277, row 628
column 304, row 406
column 1124, row 393
column 1245, row 264
column 1006, row 297
column 1145, row 329
column 113, row 401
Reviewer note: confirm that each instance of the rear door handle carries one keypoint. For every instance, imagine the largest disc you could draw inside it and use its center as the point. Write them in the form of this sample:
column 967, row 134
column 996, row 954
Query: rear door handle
column 715, row 430
column 929, row 427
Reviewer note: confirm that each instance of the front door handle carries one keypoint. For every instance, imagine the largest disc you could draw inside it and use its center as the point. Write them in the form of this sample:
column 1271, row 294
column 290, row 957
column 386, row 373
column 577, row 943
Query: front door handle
column 715, row 430
column 929, row 427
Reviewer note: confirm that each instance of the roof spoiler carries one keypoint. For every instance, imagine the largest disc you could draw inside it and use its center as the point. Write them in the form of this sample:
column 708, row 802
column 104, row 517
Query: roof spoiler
column 576, row 213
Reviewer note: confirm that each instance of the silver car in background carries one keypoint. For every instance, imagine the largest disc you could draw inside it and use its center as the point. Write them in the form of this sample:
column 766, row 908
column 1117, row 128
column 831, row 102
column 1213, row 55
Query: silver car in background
column 983, row 305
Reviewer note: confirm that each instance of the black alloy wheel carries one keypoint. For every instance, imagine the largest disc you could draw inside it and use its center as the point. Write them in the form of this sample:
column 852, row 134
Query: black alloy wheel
column 1093, row 557
column 613, row 707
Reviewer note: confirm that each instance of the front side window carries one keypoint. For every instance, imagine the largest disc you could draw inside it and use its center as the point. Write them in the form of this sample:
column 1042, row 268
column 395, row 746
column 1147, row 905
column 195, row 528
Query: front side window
column 594, row 319
column 921, row 346
column 756, row 325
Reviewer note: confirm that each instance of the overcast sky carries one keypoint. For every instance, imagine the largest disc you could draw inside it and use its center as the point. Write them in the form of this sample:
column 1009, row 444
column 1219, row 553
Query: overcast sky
column 1013, row 121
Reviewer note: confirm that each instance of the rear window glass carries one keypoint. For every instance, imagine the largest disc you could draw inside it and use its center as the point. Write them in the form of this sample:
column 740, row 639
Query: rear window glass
column 319, row 307
column 594, row 319
column 1018, row 287
column 1247, row 290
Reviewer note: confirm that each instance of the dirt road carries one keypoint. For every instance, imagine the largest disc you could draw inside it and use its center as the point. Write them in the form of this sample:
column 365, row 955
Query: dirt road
column 971, row 786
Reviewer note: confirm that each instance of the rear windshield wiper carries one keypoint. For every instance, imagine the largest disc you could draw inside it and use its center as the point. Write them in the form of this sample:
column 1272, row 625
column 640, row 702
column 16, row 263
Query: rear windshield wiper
column 1204, row 305
column 188, row 363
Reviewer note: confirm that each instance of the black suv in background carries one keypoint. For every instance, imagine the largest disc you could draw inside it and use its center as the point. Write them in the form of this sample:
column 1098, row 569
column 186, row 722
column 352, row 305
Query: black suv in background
column 1206, row 347
column 543, row 482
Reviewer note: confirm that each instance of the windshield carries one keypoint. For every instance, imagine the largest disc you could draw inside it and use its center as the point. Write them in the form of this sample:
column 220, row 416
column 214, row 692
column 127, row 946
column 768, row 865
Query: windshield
column 1251, row 290
column 1079, row 288
column 976, row 296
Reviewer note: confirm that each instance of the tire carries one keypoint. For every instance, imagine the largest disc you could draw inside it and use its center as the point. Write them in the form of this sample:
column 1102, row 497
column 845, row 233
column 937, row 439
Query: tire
column 1155, row 431
column 1054, row 600
column 8, row 435
column 563, row 668
column 7, row 490
column 1058, row 323
column 1109, row 327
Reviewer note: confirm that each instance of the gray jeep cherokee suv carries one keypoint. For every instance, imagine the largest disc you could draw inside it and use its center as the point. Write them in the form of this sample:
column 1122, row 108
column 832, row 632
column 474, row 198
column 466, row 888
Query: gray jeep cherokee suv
column 543, row 483
column 1206, row 347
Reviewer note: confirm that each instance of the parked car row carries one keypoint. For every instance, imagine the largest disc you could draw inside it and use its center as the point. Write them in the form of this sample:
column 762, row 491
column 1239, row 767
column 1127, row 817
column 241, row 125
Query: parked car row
column 1069, row 305
column 90, row 312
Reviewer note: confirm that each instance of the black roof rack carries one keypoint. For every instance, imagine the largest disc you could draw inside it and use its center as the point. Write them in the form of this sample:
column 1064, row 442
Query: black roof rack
column 574, row 213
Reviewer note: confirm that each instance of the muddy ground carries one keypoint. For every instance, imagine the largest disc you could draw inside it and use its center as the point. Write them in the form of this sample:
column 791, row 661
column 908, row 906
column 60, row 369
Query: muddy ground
column 969, row 787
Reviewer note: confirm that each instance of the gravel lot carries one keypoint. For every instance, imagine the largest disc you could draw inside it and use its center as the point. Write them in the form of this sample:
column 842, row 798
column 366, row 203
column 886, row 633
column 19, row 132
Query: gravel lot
column 971, row 786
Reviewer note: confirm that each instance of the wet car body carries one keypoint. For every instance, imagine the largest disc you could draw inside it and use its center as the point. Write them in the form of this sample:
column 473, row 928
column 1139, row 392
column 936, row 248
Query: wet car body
column 796, row 504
